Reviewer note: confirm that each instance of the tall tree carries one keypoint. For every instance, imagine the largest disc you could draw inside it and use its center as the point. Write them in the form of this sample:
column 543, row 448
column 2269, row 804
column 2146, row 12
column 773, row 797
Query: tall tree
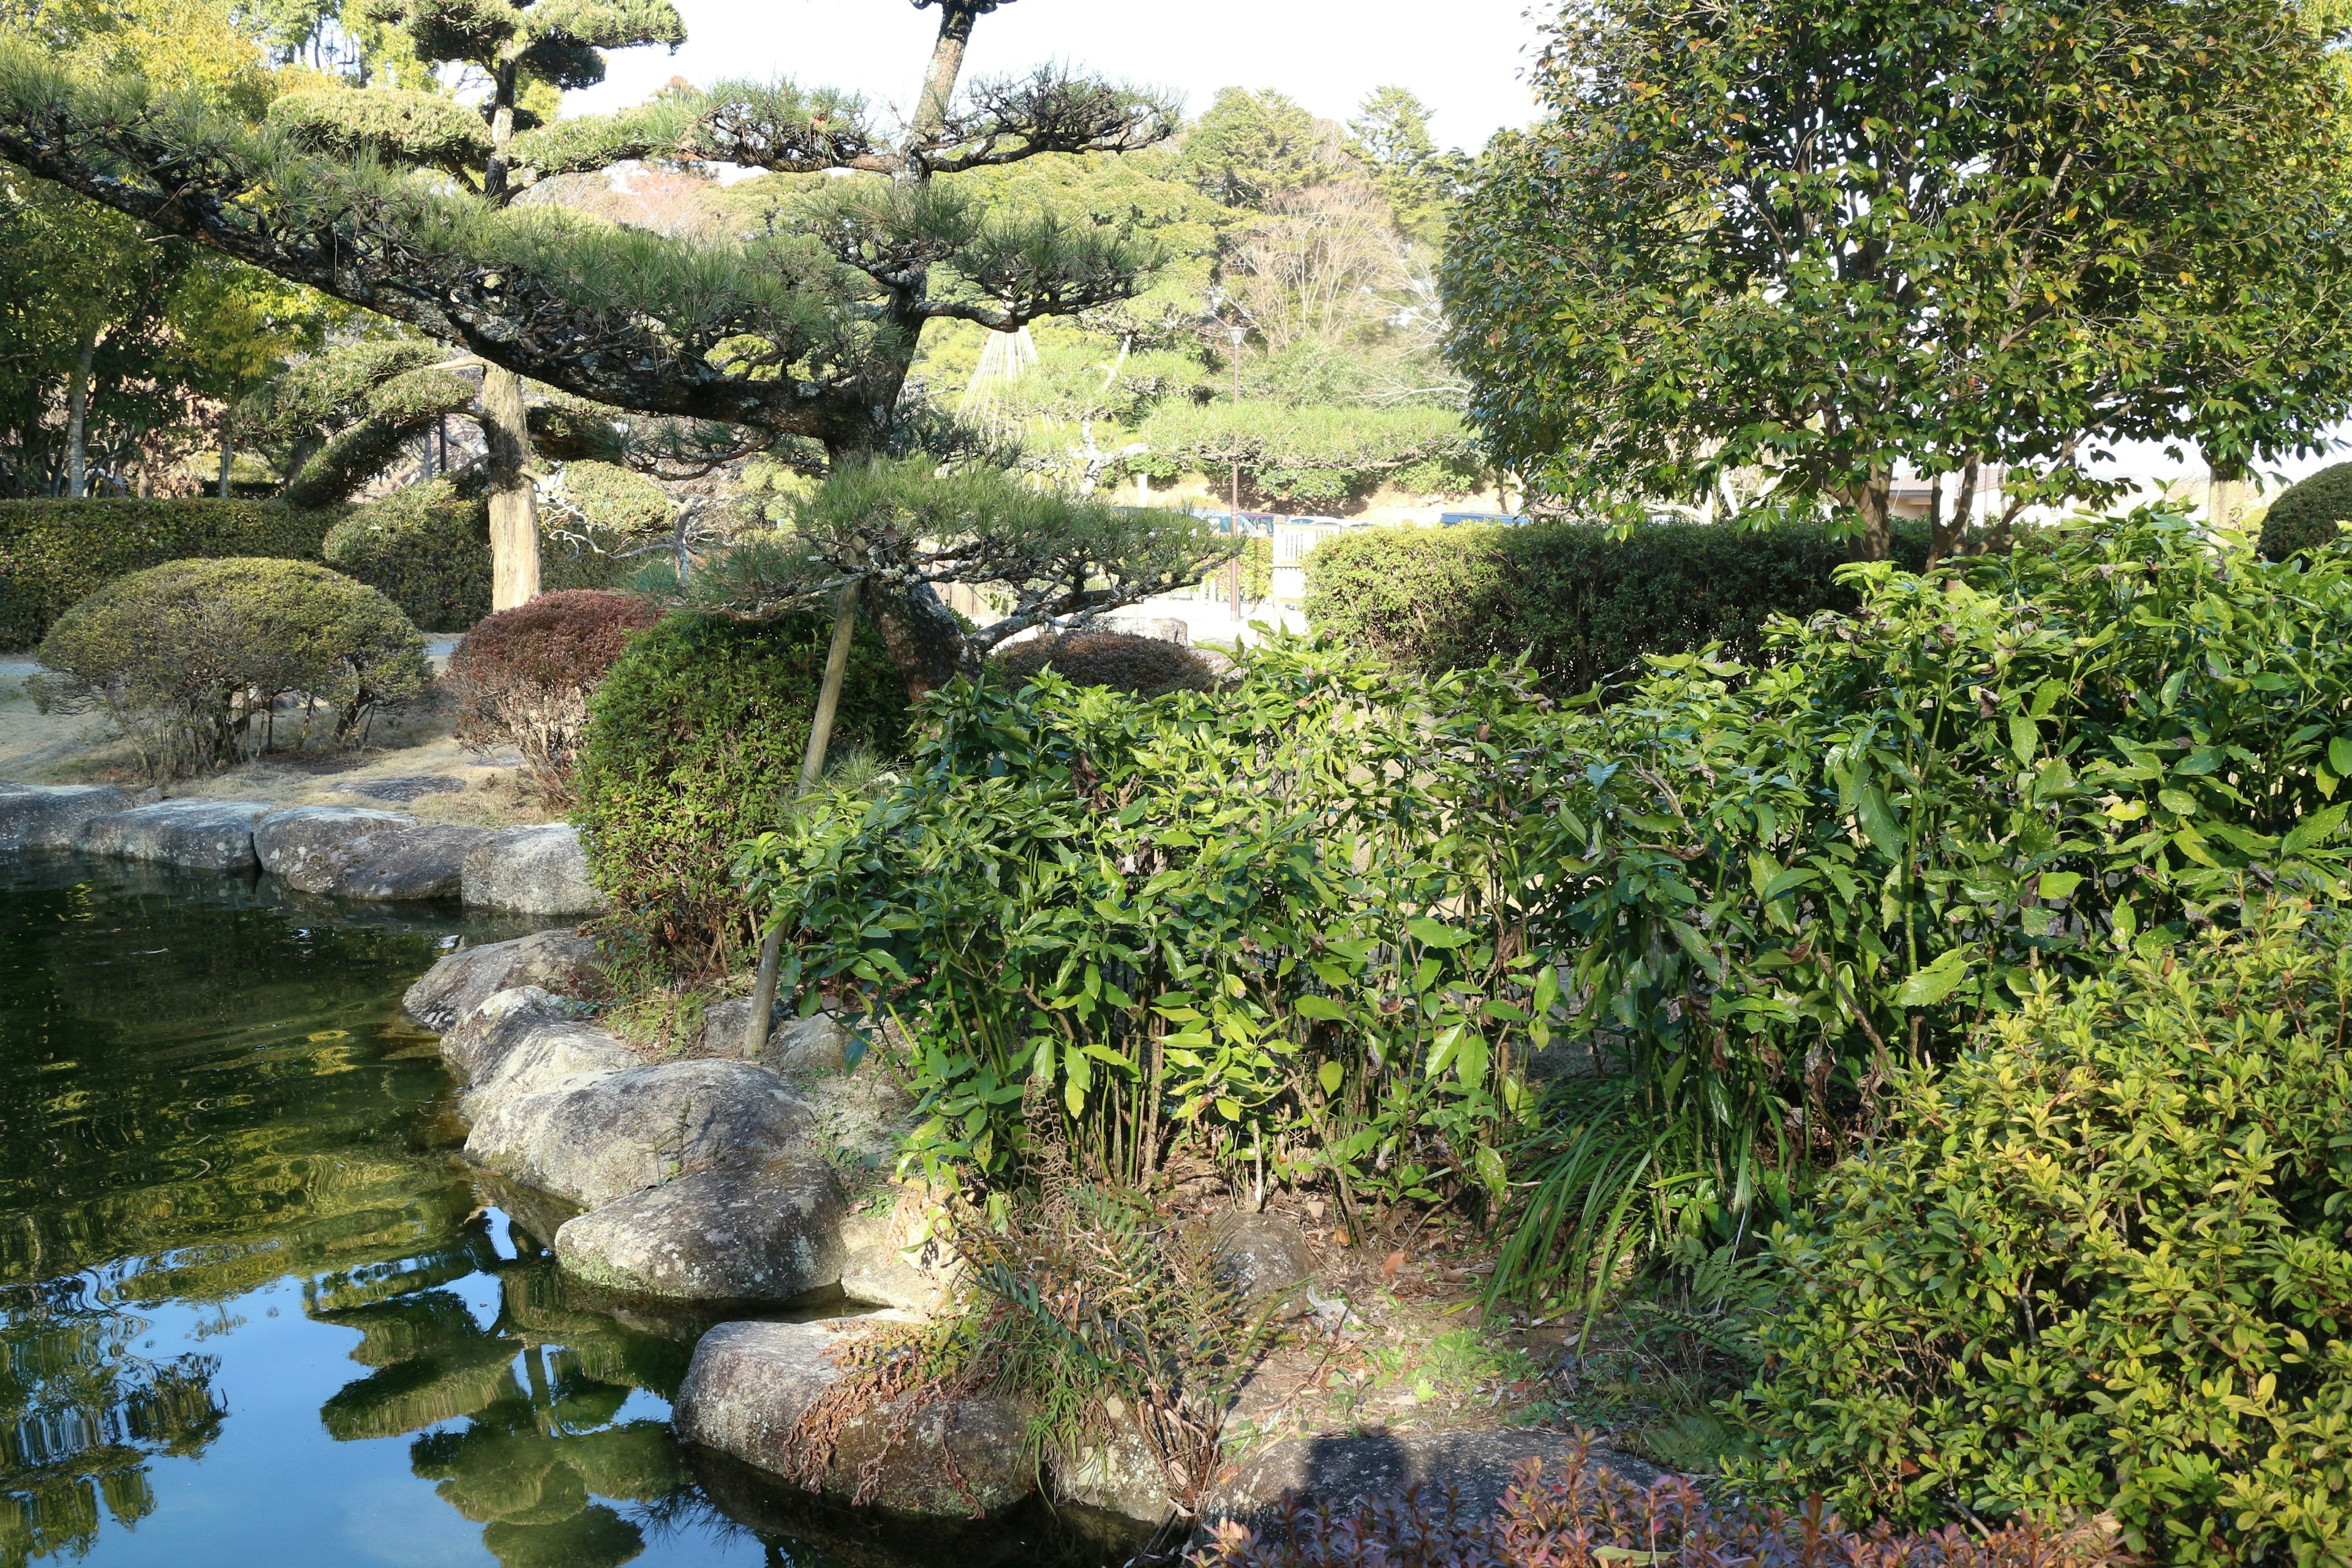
column 1250, row 147
column 809, row 333
column 1389, row 137
column 1826, row 236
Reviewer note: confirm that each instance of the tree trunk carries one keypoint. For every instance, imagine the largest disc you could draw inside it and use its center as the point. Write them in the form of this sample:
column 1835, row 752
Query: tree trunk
column 1870, row 499
column 78, row 418
column 2225, row 495
column 947, row 64
column 828, row 703
column 925, row 642
column 228, row 451
column 1951, row 539
column 514, row 501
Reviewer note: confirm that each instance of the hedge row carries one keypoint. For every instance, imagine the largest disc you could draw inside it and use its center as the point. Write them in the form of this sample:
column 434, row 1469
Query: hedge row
column 55, row 553
column 427, row 548
column 1582, row 602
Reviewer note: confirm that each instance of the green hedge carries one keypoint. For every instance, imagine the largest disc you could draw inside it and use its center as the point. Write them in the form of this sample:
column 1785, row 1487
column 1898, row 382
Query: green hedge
column 427, row 548
column 55, row 553
column 1584, row 602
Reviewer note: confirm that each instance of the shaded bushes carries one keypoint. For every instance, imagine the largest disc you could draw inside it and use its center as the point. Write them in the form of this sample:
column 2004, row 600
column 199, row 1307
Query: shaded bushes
column 2097, row 1263
column 55, row 553
column 1147, row 667
column 523, row 677
column 2307, row 515
column 193, row 659
column 426, row 547
column 694, row 744
column 1582, row 603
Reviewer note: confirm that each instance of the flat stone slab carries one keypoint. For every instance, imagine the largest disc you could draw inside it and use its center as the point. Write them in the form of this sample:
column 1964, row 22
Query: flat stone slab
column 202, row 835
column 355, row 852
column 768, row 1233
column 560, row 960
column 749, row 1384
column 606, row 1137
column 406, row 789
column 1338, row 1471
column 539, row 870
column 50, row 816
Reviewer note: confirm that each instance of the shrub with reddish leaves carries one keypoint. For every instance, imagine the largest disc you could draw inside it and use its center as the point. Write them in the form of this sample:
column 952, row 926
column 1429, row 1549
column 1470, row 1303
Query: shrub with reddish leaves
column 1586, row 1516
column 1147, row 667
column 523, row 677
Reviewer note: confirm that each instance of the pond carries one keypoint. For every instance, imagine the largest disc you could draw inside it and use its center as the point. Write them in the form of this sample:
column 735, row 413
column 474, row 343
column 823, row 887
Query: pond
column 255, row 1310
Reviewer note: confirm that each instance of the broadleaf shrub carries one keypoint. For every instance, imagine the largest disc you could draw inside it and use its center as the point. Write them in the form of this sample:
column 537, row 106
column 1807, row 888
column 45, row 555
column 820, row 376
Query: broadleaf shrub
column 2097, row 1263
column 194, row 658
column 1583, row 603
column 694, row 744
column 426, row 547
column 523, row 677
column 1145, row 667
column 2309, row 515
column 55, row 553
column 1588, row 1516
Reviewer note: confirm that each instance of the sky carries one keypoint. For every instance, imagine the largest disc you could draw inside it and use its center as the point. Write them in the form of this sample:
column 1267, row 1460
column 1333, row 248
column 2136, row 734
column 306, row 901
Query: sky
column 1465, row 59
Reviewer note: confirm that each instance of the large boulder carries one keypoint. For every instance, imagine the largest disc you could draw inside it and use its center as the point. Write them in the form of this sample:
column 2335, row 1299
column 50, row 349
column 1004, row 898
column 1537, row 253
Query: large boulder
column 353, row 852
column 1117, row 1475
column 539, row 870
column 1337, row 1470
column 894, row 1260
column 477, row 1042
column 751, row 1383
column 766, row 1232
column 50, row 816
column 554, row 1054
column 604, row 1138
column 202, row 835
column 562, row 962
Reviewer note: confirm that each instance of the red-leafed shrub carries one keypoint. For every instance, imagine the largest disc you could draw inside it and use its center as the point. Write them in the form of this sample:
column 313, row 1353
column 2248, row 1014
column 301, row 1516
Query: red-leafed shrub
column 1589, row 1517
column 523, row 677
column 1144, row 665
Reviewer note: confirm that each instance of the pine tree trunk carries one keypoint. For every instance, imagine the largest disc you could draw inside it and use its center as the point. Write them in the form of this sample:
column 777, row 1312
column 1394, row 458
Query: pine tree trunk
column 228, row 452
column 947, row 64
column 514, row 503
column 78, row 418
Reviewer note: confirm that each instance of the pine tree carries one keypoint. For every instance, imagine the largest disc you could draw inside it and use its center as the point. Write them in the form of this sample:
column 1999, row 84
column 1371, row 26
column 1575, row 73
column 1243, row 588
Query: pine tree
column 809, row 332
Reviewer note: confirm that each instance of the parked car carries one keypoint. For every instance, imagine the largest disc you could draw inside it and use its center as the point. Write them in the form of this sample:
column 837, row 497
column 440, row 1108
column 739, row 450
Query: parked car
column 1448, row 519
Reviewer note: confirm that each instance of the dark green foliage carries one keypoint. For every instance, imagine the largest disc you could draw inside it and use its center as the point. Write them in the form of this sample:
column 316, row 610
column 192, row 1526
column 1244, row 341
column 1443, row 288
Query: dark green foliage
column 55, row 553
column 194, row 658
column 427, row 548
column 694, row 744
column 1583, row 603
column 382, row 122
column 1315, row 456
column 2098, row 1263
column 1147, row 667
column 2305, row 517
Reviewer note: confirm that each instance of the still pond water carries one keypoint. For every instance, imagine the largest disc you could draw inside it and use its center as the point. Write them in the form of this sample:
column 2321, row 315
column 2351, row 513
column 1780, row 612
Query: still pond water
column 254, row 1309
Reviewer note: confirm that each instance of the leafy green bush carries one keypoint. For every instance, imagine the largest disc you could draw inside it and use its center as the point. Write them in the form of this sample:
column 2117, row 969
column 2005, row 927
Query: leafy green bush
column 195, row 658
column 426, row 547
column 1145, row 667
column 2098, row 1263
column 694, row 744
column 2307, row 515
column 55, row 553
column 1581, row 602
column 523, row 677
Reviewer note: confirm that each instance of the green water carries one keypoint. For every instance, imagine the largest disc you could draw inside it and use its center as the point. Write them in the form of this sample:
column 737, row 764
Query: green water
column 255, row 1311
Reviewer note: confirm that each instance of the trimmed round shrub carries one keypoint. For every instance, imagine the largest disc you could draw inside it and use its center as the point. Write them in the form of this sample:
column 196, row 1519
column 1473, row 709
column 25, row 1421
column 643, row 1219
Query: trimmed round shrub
column 2098, row 1264
column 1144, row 665
column 194, row 659
column 694, row 744
column 427, row 548
column 523, row 677
column 2305, row 515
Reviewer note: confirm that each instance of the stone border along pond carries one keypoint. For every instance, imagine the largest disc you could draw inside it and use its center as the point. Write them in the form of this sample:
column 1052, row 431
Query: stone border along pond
column 705, row 1180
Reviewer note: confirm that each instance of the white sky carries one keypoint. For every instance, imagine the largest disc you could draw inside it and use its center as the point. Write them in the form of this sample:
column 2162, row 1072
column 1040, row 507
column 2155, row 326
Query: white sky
column 1464, row 59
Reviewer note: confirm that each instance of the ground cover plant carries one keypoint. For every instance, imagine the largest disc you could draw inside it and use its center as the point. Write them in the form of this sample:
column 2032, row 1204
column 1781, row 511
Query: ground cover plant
column 523, row 678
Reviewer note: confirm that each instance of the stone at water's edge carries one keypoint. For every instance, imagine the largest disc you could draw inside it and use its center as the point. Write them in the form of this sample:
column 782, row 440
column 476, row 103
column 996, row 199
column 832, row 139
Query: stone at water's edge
column 749, row 1383
column 736, row 1233
column 550, row 1055
column 481, row 1038
column 539, row 870
column 895, row 1262
column 1119, row 1476
column 201, row 834
column 1337, row 1470
column 560, row 960
column 604, row 1138
column 356, row 852
column 50, row 816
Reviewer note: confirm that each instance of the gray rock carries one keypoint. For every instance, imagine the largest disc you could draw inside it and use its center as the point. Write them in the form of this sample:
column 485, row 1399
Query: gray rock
column 50, row 816
column 722, row 1027
column 550, row 1055
column 817, row 1043
column 477, row 1043
column 1267, row 1258
column 884, row 1276
column 1119, row 1476
column 353, row 852
column 561, row 961
column 406, row 789
column 1338, row 1470
column 749, row 1383
column 606, row 1137
column 735, row 1233
column 537, row 870
column 202, row 835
